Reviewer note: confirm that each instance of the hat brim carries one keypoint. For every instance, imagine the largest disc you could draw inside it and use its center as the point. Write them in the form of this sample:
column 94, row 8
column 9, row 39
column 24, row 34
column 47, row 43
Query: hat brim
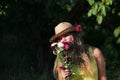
column 68, row 30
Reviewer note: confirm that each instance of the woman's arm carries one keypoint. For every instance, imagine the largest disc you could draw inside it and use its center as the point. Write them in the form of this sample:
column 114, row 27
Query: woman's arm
column 101, row 64
column 58, row 73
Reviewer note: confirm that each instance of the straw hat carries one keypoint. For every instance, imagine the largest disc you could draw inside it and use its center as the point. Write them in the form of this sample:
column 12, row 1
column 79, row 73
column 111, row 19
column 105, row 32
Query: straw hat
column 63, row 28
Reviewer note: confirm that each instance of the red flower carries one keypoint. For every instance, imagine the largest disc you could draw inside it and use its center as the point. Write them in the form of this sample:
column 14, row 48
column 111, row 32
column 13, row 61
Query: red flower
column 65, row 57
column 66, row 45
column 78, row 28
column 62, row 68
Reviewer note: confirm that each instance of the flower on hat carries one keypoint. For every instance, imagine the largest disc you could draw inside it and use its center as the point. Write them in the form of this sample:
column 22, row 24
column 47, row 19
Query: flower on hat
column 78, row 28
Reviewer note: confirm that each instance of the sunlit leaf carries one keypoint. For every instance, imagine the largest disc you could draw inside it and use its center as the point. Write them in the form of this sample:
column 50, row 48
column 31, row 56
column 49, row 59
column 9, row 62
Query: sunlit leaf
column 109, row 2
column 89, row 13
column 117, row 32
column 118, row 13
column 99, row 19
column 68, row 7
column 103, row 11
column 91, row 2
column 118, row 41
column 94, row 9
column 103, row 1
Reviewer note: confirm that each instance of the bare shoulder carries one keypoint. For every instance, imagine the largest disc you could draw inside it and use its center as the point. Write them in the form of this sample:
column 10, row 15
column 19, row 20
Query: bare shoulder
column 97, row 52
column 99, row 57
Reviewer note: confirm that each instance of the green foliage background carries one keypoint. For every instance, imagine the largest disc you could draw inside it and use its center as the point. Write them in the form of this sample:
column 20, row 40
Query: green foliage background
column 27, row 25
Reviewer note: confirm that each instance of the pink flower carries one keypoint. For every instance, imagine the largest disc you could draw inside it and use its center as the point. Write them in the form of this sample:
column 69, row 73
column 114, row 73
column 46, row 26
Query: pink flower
column 65, row 57
column 78, row 28
column 62, row 68
column 66, row 45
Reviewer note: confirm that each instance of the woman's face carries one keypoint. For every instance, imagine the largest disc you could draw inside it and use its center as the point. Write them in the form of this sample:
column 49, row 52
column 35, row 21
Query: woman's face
column 66, row 38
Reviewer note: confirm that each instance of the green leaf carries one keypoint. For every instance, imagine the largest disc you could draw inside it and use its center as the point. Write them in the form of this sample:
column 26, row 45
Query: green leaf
column 118, row 13
column 103, row 1
column 118, row 41
column 117, row 32
column 90, row 13
column 68, row 7
column 109, row 2
column 99, row 19
column 91, row 2
column 94, row 9
column 100, row 5
column 103, row 11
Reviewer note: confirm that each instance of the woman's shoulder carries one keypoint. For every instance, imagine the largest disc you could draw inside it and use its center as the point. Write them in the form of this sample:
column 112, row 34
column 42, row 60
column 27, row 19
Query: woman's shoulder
column 95, row 50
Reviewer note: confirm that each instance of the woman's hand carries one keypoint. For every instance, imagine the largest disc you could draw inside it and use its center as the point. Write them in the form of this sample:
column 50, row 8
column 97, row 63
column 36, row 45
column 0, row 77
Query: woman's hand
column 65, row 73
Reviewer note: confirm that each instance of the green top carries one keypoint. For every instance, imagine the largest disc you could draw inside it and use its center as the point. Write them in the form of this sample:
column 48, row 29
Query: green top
column 81, row 76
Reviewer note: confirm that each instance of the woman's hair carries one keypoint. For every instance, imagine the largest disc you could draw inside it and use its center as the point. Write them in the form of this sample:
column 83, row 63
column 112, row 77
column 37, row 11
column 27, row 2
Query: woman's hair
column 82, row 56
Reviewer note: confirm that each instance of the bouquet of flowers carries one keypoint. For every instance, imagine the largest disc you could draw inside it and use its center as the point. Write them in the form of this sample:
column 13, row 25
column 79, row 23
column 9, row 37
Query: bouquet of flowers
column 64, row 52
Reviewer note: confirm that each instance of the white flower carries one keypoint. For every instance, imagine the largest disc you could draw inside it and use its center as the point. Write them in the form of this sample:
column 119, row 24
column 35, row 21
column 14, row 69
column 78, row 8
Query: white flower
column 53, row 44
column 54, row 52
column 60, row 45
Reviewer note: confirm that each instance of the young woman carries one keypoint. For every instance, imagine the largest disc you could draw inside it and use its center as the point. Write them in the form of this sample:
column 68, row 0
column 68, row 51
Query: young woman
column 88, row 62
